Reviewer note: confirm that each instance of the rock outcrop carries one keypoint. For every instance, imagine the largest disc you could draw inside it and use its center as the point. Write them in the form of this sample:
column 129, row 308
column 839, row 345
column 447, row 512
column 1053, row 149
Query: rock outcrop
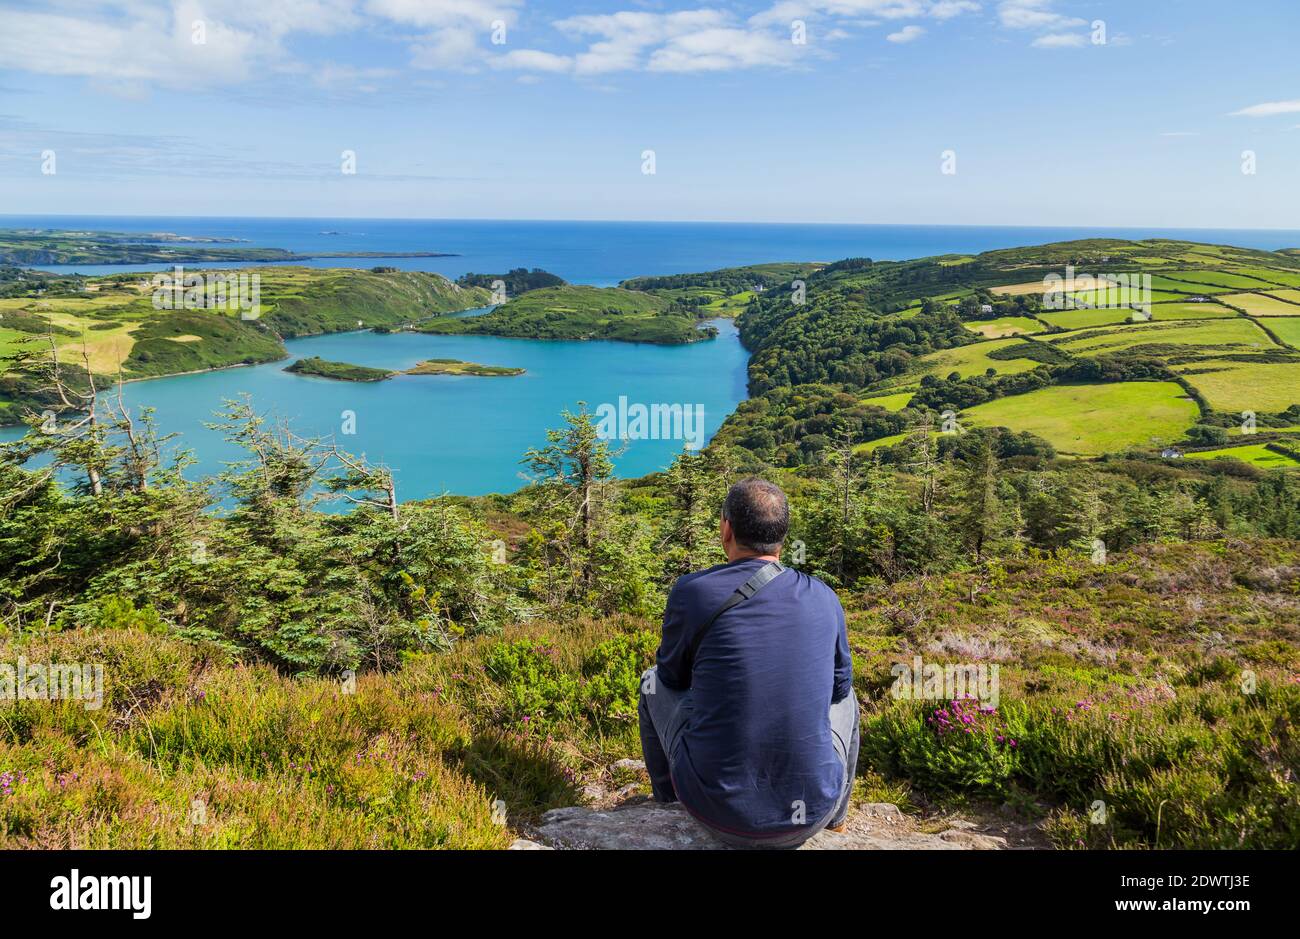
column 651, row 826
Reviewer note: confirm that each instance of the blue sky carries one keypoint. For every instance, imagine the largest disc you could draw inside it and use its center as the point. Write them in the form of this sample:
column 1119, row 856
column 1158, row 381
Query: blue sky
column 1048, row 126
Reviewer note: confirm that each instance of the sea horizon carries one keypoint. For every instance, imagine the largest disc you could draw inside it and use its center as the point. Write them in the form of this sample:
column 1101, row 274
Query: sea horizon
column 600, row 253
column 653, row 221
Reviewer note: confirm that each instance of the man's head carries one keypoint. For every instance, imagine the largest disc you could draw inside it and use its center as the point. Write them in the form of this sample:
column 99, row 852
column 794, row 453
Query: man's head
column 755, row 519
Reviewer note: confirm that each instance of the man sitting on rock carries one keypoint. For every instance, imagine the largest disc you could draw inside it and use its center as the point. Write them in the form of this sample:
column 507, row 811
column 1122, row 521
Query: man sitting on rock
column 748, row 716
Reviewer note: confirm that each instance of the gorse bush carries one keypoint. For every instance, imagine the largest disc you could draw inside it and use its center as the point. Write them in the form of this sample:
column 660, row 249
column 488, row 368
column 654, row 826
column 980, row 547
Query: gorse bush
column 533, row 686
column 613, row 676
column 537, row 690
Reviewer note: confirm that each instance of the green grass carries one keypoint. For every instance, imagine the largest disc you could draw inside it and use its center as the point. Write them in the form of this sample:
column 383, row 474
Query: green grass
column 1093, row 419
column 1190, row 311
column 1256, row 454
column 974, row 360
column 891, row 402
column 1218, row 279
column 1189, row 286
column 1084, row 319
column 1290, row 278
column 1286, row 328
column 731, row 305
column 1005, row 326
column 1238, row 335
column 1246, row 386
column 1115, row 297
column 1236, row 431
column 871, row 445
column 1258, row 304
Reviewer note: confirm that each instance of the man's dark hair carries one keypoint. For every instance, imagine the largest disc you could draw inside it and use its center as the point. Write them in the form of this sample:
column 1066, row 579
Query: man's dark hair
column 758, row 513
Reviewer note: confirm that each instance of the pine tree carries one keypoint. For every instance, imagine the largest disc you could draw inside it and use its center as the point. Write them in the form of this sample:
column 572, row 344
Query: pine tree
column 696, row 485
column 566, row 504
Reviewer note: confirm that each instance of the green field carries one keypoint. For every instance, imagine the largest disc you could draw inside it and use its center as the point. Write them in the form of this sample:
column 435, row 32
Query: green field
column 1083, row 319
column 1290, row 278
column 1088, row 420
column 894, row 402
column 1236, row 431
column 1005, row 326
column 729, row 305
column 1190, row 311
column 1218, row 278
column 973, row 360
column 1256, row 454
column 1286, row 328
column 1238, row 335
column 1258, row 304
column 890, row 441
column 1185, row 286
column 1246, row 386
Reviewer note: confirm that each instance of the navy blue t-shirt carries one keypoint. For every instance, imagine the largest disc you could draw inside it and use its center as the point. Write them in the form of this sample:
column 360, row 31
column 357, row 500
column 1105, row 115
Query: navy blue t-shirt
column 758, row 740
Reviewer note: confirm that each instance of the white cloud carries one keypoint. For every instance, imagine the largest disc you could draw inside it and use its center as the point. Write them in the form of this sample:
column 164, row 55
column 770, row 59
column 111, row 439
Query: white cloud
column 1041, row 16
column 1034, row 14
column 153, row 45
column 1268, row 109
column 535, row 60
column 947, row 9
column 477, row 13
column 133, row 45
column 686, row 41
column 623, row 38
column 457, row 30
column 721, row 50
column 451, row 47
column 907, row 34
column 786, row 10
column 1059, row 41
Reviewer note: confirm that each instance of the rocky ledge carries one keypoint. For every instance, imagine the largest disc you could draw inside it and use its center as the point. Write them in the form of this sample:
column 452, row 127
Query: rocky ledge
column 651, row 826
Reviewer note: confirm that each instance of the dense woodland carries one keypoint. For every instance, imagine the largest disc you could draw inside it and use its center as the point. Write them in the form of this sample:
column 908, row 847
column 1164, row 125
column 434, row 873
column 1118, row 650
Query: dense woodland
column 518, row 280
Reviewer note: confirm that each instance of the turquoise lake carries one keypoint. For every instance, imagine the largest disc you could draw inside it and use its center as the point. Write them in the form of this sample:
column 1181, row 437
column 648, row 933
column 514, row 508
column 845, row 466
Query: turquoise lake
column 446, row 433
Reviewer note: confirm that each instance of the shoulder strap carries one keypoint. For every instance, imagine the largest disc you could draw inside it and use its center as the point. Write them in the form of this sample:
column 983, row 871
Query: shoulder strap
column 764, row 576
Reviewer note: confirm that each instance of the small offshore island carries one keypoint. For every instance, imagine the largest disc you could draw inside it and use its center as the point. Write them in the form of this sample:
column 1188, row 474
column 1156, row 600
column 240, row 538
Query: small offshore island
column 346, row 371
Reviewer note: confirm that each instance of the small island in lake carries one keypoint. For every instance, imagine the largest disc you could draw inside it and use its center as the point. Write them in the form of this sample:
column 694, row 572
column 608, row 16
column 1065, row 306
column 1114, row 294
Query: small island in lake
column 346, row 371
column 339, row 371
column 457, row 367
